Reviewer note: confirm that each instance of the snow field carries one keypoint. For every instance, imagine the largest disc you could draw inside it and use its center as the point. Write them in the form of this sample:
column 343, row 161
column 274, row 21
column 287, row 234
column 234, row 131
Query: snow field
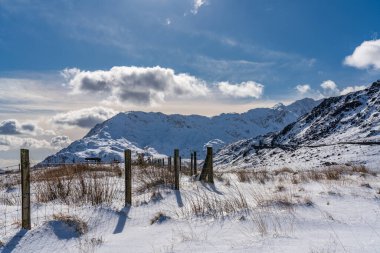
column 335, row 209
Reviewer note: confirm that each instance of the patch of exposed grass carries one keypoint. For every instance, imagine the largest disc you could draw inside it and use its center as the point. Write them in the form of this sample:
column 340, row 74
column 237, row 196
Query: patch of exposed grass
column 74, row 222
column 159, row 218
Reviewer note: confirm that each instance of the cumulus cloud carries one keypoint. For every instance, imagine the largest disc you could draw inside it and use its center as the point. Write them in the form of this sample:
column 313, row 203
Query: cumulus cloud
column 14, row 127
column 8, row 142
column 85, row 118
column 135, row 85
column 10, row 127
column 330, row 88
column 367, row 55
column 248, row 89
column 197, row 4
column 60, row 141
column 329, row 85
column 350, row 89
column 303, row 88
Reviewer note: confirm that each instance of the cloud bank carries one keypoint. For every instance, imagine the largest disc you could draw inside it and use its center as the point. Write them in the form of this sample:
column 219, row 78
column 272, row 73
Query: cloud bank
column 303, row 88
column 248, row 89
column 135, row 85
column 14, row 127
column 8, row 142
column 367, row 55
column 85, row 118
column 328, row 89
column 59, row 142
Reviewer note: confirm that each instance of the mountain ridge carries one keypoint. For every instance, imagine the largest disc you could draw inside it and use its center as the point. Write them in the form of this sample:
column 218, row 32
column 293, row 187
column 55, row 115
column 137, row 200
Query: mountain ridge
column 334, row 128
column 157, row 134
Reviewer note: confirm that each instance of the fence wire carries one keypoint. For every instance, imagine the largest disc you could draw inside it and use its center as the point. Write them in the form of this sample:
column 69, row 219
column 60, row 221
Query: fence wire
column 78, row 189
column 10, row 204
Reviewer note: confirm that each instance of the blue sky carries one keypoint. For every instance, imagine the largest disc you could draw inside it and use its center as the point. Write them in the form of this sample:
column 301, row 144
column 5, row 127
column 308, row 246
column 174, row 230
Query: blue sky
column 66, row 58
column 286, row 35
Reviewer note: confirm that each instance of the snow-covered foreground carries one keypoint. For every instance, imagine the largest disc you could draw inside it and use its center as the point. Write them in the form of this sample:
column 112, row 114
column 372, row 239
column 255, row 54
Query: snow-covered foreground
column 336, row 210
column 247, row 156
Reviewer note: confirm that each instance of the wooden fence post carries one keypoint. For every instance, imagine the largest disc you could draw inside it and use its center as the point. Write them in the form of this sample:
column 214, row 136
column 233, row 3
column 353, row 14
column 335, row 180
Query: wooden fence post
column 191, row 164
column 207, row 173
column 25, row 189
column 176, row 169
column 210, row 168
column 204, row 173
column 195, row 163
column 128, row 177
column 170, row 162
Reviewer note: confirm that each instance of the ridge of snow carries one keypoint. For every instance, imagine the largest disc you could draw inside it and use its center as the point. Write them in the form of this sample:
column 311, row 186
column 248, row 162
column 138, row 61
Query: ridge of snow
column 343, row 120
column 157, row 134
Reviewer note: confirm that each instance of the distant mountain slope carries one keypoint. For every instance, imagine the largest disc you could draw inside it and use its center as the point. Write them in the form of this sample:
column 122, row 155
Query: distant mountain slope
column 344, row 120
column 158, row 134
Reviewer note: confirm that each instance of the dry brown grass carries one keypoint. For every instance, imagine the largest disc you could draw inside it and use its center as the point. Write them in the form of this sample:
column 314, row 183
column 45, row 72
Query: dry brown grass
column 151, row 177
column 74, row 222
column 10, row 199
column 333, row 173
column 361, row 169
column 159, row 218
column 76, row 184
column 9, row 180
column 261, row 176
column 205, row 204
column 71, row 171
column 284, row 170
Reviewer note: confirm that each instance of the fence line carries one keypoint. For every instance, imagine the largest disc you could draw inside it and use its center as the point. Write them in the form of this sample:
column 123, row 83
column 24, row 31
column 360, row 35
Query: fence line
column 22, row 203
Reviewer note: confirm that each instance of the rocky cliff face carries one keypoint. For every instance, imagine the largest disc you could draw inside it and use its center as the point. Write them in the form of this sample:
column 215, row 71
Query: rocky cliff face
column 339, row 130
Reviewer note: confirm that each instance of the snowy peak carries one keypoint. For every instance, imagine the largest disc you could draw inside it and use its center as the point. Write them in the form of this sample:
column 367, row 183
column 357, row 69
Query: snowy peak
column 338, row 129
column 349, row 118
column 158, row 134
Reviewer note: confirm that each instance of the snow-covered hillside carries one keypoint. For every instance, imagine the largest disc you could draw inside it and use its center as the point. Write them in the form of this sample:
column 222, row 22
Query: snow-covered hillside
column 331, row 133
column 158, row 134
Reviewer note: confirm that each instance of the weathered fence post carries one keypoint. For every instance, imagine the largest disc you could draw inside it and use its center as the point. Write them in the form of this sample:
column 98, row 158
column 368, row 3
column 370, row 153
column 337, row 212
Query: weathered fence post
column 25, row 189
column 195, row 163
column 128, row 177
column 180, row 163
column 170, row 162
column 207, row 173
column 176, row 169
column 210, row 168
column 191, row 164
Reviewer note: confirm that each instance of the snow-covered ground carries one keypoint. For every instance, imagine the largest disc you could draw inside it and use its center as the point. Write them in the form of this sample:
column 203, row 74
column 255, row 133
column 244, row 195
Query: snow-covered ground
column 245, row 156
column 264, row 211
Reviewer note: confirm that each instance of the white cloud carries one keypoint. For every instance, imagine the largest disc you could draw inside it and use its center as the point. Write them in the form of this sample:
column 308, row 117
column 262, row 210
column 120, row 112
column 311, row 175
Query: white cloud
column 59, row 142
column 14, row 127
column 248, row 89
column 303, row 88
column 329, row 85
column 197, row 4
column 135, row 85
column 8, row 142
column 330, row 88
column 85, row 118
column 366, row 55
column 350, row 89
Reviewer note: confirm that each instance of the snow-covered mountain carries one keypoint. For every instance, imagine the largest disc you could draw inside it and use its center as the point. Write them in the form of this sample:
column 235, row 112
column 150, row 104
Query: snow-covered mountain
column 338, row 130
column 158, row 134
